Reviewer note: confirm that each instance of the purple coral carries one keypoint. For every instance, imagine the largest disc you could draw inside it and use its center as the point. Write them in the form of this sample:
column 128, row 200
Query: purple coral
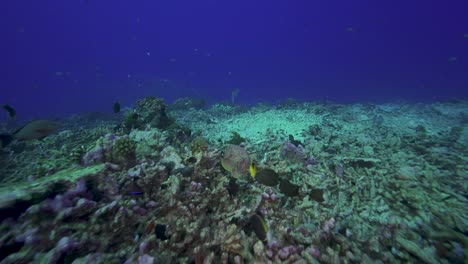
column 139, row 210
column 269, row 195
column 287, row 251
column 73, row 203
column 314, row 251
column 113, row 167
column 94, row 156
column 145, row 259
column 64, row 245
column 339, row 170
column 79, row 190
column 56, row 204
column 28, row 237
column 97, row 154
column 329, row 225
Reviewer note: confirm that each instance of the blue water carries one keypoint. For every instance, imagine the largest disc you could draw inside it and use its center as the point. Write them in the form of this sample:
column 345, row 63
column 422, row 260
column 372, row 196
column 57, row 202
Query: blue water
column 63, row 57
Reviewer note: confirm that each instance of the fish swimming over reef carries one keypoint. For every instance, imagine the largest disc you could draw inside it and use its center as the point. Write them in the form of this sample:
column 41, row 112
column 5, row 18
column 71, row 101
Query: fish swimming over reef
column 236, row 160
column 259, row 225
column 253, row 169
column 10, row 110
column 36, row 129
column 116, row 107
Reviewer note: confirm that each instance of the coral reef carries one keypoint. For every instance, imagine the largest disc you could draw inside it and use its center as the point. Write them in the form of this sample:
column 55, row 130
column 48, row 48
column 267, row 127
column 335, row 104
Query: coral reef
column 124, row 152
column 199, row 144
column 235, row 139
column 152, row 111
column 349, row 184
column 149, row 112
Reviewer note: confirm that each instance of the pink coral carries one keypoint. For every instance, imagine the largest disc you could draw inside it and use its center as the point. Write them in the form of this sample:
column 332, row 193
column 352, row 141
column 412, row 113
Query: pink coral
column 314, row 251
column 287, row 251
column 94, row 156
column 269, row 195
column 329, row 225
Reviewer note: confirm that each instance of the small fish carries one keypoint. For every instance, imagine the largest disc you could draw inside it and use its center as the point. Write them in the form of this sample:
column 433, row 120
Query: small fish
column 37, row 129
column 116, row 107
column 11, row 111
column 253, row 169
column 136, row 193
column 233, row 187
column 134, row 190
column 191, row 160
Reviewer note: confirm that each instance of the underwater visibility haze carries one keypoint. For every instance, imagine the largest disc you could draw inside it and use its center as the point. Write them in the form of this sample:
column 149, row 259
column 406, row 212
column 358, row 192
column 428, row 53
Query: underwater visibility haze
column 233, row 131
column 74, row 56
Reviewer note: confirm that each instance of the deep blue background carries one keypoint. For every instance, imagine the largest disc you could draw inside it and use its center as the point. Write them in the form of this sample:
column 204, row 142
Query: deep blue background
column 62, row 57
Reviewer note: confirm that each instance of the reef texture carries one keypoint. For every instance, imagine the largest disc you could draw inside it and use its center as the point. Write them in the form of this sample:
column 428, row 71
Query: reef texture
column 377, row 184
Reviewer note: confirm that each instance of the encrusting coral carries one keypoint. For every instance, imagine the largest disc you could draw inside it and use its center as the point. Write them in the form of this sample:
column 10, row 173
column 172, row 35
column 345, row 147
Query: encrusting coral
column 123, row 152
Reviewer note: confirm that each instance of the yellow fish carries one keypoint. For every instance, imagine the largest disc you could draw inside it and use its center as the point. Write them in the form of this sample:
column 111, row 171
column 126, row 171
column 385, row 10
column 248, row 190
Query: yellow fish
column 253, row 169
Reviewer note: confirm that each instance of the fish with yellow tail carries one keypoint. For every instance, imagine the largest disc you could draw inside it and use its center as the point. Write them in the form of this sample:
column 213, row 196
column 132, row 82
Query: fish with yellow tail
column 259, row 225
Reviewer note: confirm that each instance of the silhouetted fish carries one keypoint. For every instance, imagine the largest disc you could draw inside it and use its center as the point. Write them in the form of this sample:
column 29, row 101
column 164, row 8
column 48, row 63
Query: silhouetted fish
column 116, row 107
column 11, row 111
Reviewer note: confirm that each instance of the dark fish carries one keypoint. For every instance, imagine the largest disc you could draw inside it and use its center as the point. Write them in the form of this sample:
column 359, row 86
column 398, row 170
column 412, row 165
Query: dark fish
column 5, row 140
column 294, row 141
column 191, row 160
column 259, row 226
column 11, row 111
column 160, row 231
column 267, row 177
column 135, row 193
column 116, row 107
column 288, row 189
column 316, row 195
column 232, row 187
column 37, row 129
